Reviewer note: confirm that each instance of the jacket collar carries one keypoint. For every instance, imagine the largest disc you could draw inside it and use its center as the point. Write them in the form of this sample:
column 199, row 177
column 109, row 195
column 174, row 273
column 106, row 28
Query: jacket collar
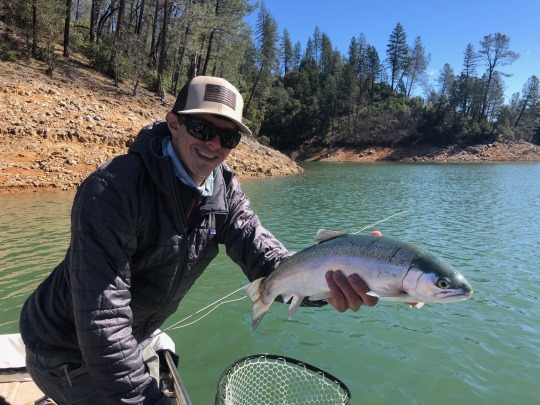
column 149, row 146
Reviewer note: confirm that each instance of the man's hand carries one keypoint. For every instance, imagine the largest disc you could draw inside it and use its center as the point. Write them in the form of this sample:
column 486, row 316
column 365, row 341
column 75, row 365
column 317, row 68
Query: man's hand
column 349, row 292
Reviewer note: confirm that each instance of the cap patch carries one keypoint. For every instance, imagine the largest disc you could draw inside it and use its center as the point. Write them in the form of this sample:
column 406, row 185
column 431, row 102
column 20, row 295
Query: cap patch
column 220, row 94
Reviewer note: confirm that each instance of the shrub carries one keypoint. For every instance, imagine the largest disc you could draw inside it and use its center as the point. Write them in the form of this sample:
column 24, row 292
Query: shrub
column 9, row 55
column 98, row 55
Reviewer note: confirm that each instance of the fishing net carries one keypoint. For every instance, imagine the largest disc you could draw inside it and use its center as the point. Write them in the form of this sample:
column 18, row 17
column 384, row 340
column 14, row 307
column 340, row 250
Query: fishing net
column 268, row 379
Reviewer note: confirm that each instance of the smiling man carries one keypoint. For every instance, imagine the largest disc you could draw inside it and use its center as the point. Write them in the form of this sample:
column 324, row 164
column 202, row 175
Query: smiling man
column 144, row 226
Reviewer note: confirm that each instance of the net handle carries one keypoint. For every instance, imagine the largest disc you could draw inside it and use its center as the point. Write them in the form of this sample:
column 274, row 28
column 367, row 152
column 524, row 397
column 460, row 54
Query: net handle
column 278, row 357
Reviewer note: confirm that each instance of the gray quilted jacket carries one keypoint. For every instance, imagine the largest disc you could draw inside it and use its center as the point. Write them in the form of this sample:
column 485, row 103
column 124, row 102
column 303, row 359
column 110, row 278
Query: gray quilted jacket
column 133, row 256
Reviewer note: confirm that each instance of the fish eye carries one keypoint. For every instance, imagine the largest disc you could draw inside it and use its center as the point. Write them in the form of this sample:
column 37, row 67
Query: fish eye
column 444, row 283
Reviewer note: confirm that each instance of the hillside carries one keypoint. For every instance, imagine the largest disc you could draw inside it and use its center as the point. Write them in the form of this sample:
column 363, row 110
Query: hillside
column 55, row 131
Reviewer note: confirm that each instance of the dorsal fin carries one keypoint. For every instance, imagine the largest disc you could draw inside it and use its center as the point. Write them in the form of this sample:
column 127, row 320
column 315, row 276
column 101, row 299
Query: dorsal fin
column 326, row 234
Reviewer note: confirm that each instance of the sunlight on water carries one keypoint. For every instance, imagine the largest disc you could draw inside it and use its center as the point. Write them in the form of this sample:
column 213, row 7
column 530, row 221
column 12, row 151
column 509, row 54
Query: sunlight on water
column 482, row 219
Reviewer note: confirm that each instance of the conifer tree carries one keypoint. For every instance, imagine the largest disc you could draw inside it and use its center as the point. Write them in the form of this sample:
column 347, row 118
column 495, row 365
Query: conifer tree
column 397, row 53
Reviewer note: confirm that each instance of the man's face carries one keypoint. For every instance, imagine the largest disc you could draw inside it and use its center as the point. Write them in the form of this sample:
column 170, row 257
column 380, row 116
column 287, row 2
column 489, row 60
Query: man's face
column 199, row 157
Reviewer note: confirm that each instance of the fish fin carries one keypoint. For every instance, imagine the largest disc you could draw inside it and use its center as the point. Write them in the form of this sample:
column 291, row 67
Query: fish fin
column 326, row 234
column 286, row 298
column 296, row 301
column 320, row 296
column 253, row 291
column 415, row 304
column 387, row 296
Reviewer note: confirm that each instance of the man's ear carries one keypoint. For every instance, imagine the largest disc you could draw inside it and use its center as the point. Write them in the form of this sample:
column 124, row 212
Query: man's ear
column 172, row 122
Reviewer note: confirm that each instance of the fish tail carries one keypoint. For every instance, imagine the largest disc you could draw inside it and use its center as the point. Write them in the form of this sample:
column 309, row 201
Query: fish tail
column 253, row 291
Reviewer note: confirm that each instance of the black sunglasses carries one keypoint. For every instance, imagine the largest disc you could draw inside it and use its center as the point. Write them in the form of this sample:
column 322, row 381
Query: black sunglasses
column 206, row 131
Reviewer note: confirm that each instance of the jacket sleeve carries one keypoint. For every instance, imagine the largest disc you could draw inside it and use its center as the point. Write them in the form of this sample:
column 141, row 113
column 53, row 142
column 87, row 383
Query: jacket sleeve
column 102, row 244
column 248, row 243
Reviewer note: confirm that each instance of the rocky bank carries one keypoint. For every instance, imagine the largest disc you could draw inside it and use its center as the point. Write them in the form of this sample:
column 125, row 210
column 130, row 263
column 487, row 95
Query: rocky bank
column 55, row 131
column 516, row 151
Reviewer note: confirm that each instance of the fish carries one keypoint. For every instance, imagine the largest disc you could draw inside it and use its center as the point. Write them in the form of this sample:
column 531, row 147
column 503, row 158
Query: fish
column 393, row 270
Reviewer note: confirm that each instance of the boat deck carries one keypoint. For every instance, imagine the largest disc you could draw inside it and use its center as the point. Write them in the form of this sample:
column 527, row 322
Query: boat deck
column 18, row 389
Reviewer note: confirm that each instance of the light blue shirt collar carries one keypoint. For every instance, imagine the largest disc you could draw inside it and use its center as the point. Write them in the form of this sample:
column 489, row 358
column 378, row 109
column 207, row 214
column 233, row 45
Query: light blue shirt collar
column 206, row 189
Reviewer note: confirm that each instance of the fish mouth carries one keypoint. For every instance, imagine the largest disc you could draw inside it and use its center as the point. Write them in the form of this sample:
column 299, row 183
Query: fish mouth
column 454, row 295
column 443, row 296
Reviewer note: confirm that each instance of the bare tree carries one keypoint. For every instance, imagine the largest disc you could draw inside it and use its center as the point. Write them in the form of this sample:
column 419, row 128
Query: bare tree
column 494, row 52
column 419, row 62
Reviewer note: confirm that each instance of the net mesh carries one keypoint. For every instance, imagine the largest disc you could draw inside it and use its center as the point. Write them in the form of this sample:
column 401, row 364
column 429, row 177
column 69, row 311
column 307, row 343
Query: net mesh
column 266, row 379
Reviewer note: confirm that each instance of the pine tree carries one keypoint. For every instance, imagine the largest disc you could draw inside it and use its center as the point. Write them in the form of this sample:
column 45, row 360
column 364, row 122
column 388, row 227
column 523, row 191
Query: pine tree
column 287, row 53
column 397, row 53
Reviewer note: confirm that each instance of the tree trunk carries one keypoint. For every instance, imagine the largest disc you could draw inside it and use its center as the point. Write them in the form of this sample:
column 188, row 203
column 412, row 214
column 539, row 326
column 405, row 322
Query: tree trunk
column 521, row 112
column 210, row 41
column 138, row 27
column 194, row 62
column 34, row 29
column 153, row 41
column 8, row 9
column 246, row 106
column 103, row 20
column 93, row 19
column 67, row 25
column 112, row 70
column 77, row 10
column 163, row 53
column 208, row 52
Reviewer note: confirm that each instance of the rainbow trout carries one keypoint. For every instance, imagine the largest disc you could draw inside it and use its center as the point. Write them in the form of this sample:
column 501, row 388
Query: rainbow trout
column 393, row 271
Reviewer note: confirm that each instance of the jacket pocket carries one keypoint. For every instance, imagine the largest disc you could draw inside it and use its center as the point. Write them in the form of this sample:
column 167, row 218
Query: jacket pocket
column 76, row 383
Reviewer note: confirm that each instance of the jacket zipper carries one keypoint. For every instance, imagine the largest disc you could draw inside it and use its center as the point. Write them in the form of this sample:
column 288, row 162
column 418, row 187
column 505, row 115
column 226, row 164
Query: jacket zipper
column 184, row 234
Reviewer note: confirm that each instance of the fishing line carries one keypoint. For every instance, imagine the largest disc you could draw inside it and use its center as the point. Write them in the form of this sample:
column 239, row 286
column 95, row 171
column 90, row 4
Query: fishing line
column 173, row 327
column 222, row 301
column 378, row 222
column 368, row 315
column 217, row 303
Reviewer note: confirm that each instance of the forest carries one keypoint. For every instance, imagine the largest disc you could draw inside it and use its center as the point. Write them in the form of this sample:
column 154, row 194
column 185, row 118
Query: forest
column 295, row 96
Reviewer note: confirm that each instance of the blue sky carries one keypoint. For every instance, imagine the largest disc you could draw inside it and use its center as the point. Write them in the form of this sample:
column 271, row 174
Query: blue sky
column 445, row 27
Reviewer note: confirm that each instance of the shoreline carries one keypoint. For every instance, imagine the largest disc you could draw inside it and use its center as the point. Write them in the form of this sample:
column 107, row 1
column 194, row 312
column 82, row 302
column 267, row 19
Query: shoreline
column 42, row 165
column 54, row 131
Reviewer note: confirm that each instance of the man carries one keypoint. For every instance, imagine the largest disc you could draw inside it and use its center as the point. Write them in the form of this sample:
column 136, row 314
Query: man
column 144, row 227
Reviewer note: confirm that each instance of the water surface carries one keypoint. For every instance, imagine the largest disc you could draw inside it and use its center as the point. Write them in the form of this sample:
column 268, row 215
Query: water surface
column 482, row 218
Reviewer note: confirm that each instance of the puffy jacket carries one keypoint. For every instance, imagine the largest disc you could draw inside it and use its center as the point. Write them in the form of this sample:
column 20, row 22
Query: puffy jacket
column 134, row 254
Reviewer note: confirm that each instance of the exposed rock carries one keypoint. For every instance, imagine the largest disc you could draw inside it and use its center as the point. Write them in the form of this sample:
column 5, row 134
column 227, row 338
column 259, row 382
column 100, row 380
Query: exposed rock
column 54, row 132
column 516, row 151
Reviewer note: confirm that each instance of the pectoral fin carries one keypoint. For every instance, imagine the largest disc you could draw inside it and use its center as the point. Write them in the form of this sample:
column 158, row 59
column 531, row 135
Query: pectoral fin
column 418, row 305
column 296, row 301
column 320, row 296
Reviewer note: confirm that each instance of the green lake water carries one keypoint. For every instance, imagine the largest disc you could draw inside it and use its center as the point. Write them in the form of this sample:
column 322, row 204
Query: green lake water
column 481, row 218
